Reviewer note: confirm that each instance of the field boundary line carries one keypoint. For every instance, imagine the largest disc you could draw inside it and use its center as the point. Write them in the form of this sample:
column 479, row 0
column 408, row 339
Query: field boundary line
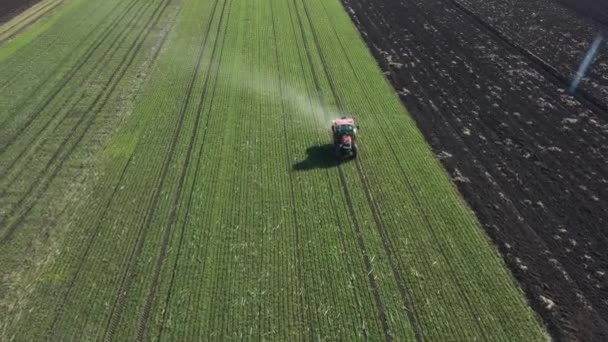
column 383, row 233
column 548, row 243
column 526, row 229
column 404, row 292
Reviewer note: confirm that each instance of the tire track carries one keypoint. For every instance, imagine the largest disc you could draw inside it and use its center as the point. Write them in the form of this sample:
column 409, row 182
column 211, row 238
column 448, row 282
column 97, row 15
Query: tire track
column 71, row 74
column 34, row 146
column 406, row 296
column 546, row 69
column 533, row 142
column 151, row 297
column 181, row 241
column 404, row 292
column 7, row 67
column 82, row 119
column 386, row 239
column 360, row 240
column 94, row 234
column 102, row 99
column 129, row 274
column 104, row 60
column 528, row 231
column 366, row 259
column 387, row 244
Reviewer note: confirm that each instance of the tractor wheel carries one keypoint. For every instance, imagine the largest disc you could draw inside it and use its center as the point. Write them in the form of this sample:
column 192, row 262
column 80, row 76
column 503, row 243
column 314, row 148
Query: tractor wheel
column 355, row 150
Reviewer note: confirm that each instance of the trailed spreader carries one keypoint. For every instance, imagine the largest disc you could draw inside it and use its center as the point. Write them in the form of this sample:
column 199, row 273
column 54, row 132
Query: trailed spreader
column 344, row 132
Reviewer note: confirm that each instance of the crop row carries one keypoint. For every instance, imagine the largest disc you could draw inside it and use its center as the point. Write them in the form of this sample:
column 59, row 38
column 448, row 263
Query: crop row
column 76, row 97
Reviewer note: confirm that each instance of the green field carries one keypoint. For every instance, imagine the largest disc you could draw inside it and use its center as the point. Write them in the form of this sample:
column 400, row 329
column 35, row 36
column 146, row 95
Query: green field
column 165, row 174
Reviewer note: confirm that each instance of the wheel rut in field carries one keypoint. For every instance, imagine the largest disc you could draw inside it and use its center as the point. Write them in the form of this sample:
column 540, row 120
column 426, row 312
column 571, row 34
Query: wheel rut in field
column 151, row 297
column 44, row 180
column 405, row 296
column 97, row 227
column 380, row 307
column 130, row 271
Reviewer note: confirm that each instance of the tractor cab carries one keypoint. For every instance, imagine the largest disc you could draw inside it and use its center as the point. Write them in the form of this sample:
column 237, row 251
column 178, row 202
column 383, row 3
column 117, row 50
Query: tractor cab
column 344, row 133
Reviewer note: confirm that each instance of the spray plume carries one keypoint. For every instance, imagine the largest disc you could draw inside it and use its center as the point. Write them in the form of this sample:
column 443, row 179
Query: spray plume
column 296, row 98
column 582, row 69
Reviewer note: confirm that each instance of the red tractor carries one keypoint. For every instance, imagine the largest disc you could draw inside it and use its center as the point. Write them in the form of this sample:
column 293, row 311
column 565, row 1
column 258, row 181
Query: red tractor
column 344, row 132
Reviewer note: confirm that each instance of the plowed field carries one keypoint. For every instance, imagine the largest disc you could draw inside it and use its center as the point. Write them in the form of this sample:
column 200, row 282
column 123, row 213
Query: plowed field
column 485, row 82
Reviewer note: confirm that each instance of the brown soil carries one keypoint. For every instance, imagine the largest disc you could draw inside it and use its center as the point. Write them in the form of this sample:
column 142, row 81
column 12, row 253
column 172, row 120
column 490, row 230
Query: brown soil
column 531, row 160
column 11, row 8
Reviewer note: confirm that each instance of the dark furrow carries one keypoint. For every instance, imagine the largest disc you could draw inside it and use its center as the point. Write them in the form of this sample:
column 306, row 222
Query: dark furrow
column 111, row 85
column 66, row 79
column 503, row 220
column 526, row 231
column 33, row 147
column 559, row 135
column 552, row 162
column 539, row 177
column 571, row 265
column 129, row 274
column 595, row 161
column 151, row 297
column 344, row 185
column 546, row 69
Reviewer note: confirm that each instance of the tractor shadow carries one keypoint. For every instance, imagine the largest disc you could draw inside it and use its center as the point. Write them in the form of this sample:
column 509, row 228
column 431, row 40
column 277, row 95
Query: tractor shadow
column 319, row 157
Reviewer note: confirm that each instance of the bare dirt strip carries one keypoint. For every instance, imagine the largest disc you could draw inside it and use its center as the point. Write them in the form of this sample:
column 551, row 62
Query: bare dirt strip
column 531, row 160
column 26, row 18
column 11, row 8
